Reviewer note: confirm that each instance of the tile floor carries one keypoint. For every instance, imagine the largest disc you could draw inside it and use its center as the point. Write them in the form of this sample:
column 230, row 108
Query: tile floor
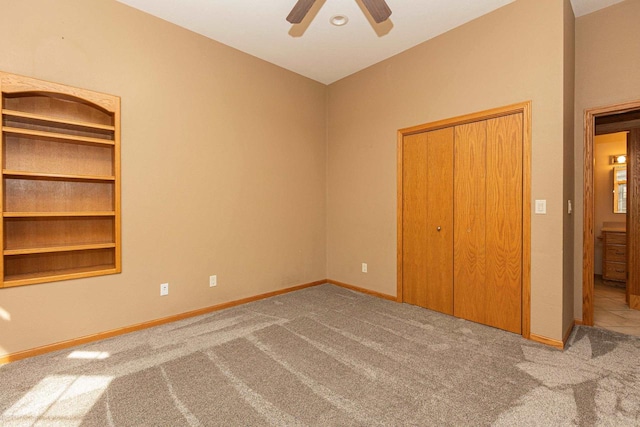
column 610, row 310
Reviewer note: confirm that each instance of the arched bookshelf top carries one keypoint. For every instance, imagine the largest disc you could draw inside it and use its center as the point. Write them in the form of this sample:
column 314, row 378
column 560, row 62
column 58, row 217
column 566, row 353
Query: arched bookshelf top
column 14, row 86
column 57, row 106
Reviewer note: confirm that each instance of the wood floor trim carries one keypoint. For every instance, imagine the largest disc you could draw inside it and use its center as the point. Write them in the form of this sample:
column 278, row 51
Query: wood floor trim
column 140, row 326
column 362, row 290
column 547, row 341
column 555, row 343
column 145, row 325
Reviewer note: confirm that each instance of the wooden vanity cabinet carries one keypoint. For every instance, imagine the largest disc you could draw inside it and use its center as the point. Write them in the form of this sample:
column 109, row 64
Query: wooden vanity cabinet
column 614, row 259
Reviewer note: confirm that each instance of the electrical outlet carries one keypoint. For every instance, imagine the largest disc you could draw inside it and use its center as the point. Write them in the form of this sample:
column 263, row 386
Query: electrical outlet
column 364, row 267
column 164, row 289
column 213, row 281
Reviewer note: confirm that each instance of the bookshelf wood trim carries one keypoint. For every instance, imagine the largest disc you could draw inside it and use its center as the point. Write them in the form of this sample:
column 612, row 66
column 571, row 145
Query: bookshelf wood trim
column 58, row 214
column 13, row 83
column 56, row 176
column 58, row 275
column 43, row 118
column 56, row 136
column 62, row 248
column 118, row 188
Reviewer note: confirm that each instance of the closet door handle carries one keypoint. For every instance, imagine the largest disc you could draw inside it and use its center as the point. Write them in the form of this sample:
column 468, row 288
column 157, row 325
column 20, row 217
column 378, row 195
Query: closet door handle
column 438, row 228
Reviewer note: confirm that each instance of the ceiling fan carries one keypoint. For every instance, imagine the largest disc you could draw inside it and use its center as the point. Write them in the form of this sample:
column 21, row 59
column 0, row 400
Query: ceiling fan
column 378, row 9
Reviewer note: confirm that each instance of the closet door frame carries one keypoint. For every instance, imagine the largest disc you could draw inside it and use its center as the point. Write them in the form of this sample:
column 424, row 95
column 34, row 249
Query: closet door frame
column 525, row 109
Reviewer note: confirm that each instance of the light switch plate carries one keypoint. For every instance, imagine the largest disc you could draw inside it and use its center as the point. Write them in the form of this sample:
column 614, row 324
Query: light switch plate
column 541, row 207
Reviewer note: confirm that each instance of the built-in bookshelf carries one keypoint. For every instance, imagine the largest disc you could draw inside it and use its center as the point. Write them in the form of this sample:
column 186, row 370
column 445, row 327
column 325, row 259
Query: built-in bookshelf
column 61, row 182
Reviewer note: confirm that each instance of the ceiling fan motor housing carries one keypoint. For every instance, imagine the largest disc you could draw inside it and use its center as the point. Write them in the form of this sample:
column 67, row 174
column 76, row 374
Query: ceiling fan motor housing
column 378, row 9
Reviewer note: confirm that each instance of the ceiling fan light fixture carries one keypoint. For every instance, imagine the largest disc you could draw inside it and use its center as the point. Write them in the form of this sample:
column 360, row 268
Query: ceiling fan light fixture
column 339, row 20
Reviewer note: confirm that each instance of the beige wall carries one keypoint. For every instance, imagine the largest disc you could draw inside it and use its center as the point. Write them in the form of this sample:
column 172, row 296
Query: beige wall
column 607, row 70
column 568, row 176
column 511, row 55
column 223, row 168
column 225, row 157
column 604, row 147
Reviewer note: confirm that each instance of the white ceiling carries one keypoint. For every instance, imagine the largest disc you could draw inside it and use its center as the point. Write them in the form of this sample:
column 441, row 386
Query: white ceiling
column 583, row 7
column 315, row 48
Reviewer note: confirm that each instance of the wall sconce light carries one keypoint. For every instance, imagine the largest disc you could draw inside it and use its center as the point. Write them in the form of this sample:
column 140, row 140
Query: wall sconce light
column 618, row 159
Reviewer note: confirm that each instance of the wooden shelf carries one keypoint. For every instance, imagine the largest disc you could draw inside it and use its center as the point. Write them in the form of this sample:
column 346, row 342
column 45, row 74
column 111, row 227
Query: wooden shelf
column 49, row 249
column 57, row 214
column 57, row 136
column 43, row 118
column 57, row 275
column 56, row 176
column 60, row 191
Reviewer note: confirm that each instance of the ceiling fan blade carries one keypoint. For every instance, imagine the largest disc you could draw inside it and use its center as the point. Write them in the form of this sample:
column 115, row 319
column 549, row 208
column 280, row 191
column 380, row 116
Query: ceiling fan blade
column 300, row 10
column 378, row 9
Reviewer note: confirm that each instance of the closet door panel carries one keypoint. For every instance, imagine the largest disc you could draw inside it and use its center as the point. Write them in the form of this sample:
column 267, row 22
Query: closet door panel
column 504, row 223
column 414, row 213
column 469, row 254
column 439, row 228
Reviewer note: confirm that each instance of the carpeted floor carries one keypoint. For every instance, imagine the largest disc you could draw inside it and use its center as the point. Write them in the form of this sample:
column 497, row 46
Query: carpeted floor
column 327, row 356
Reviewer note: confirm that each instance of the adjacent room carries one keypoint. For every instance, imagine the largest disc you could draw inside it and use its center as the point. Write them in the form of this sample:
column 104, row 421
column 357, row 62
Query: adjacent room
column 320, row 212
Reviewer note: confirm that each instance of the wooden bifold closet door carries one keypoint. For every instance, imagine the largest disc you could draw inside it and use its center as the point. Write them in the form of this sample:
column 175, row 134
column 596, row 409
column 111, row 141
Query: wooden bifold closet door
column 428, row 244
column 462, row 221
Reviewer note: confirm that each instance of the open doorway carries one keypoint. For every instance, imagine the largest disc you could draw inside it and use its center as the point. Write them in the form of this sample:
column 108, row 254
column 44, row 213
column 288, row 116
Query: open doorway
column 610, row 308
column 611, row 286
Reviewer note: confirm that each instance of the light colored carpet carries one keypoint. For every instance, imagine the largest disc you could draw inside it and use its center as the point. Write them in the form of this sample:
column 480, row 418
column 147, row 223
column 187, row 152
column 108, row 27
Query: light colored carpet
column 327, row 356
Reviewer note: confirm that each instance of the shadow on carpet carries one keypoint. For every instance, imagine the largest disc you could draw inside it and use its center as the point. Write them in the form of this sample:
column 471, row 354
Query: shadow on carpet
column 327, row 356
